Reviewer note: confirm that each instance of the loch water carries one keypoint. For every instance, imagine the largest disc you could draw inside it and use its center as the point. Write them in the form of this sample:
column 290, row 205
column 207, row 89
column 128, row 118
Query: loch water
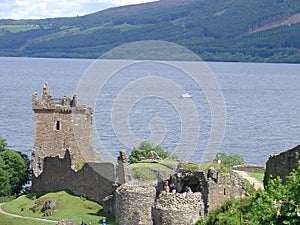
column 262, row 104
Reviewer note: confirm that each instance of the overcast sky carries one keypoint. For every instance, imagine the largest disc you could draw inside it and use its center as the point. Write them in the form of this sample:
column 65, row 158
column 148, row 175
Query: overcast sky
column 35, row 9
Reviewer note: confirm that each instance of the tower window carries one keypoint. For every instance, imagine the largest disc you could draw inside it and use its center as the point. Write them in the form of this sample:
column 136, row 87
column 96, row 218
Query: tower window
column 57, row 125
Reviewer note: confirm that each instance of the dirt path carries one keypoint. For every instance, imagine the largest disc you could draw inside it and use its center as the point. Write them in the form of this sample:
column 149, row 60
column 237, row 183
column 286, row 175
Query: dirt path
column 252, row 180
column 25, row 217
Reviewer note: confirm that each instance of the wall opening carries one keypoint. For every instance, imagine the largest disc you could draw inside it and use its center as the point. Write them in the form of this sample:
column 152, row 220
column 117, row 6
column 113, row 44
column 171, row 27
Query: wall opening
column 57, row 125
column 224, row 191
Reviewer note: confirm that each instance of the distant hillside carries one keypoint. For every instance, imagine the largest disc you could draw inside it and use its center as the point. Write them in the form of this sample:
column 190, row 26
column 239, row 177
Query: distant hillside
column 217, row 30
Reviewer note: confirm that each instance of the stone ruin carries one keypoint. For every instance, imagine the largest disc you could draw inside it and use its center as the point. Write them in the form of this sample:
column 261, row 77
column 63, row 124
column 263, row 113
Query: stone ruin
column 151, row 204
column 63, row 141
column 58, row 149
column 282, row 164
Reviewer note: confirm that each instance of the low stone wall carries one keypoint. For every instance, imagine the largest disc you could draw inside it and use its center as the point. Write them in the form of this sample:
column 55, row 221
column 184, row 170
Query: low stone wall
column 250, row 168
column 178, row 208
column 282, row 164
column 94, row 181
column 133, row 204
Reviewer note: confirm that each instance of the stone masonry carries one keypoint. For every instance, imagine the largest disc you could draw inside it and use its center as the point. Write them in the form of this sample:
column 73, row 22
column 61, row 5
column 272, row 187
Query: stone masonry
column 178, row 208
column 142, row 204
column 133, row 204
column 282, row 164
column 94, row 181
column 60, row 125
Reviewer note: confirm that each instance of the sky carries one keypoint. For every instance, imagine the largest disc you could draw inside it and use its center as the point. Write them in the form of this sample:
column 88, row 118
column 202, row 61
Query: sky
column 38, row 9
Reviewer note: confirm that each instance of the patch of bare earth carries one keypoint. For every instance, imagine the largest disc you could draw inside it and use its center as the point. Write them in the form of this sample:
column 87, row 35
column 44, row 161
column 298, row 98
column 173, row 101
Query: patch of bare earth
column 288, row 22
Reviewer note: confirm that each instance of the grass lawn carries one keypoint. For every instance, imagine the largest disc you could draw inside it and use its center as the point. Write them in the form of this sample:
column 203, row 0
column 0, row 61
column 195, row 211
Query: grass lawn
column 68, row 206
column 257, row 176
column 204, row 167
column 8, row 220
column 150, row 165
column 144, row 170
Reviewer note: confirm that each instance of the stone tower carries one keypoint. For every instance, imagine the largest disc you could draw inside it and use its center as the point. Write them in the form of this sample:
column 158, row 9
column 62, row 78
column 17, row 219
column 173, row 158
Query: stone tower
column 60, row 125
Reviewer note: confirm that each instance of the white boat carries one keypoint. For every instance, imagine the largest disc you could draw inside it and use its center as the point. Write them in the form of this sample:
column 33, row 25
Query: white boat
column 186, row 95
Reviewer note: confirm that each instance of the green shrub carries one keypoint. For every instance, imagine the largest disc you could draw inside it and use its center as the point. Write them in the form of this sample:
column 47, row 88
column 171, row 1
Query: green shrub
column 145, row 148
column 229, row 160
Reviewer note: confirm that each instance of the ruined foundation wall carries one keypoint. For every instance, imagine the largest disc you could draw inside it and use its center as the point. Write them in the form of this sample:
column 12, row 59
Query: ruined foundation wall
column 94, row 181
column 282, row 164
column 250, row 168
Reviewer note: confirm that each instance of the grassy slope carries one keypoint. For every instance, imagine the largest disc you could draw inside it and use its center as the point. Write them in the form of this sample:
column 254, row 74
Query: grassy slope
column 67, row 207
column 144, row 171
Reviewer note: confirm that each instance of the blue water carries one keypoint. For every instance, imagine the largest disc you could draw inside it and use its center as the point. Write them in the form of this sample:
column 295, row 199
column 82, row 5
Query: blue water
column 262, row 105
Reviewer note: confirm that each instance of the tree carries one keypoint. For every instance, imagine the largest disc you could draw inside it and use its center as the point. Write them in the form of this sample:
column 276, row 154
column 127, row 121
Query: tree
column 144, row 149
column 14, row 170
column 3, row 144
column 4, row 181
column 229, row 160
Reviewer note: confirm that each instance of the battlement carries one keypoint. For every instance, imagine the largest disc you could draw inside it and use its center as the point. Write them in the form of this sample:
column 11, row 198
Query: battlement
column 60, row 105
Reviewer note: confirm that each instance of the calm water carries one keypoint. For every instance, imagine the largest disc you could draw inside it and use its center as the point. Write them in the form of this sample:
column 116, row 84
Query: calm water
column 262, row 103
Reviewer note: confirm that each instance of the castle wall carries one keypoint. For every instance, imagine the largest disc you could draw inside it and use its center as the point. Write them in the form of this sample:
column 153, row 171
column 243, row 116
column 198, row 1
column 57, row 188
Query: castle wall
column 178, row 208
column 282, row 164
column 94, row 180
column 215, row 186
column 222, row 186
column 53, row 142
column 133, row 205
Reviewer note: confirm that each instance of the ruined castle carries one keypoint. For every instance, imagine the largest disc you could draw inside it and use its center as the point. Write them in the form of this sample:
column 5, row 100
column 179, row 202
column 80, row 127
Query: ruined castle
column 64, row 158
column 62, row 142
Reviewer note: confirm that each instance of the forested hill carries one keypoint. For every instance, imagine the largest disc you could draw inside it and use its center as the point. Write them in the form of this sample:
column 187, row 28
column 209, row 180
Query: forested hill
column 217, row 30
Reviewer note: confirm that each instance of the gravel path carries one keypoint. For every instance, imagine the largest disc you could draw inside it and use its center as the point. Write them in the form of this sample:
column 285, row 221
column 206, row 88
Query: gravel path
column 24, row 217
column 252, row 180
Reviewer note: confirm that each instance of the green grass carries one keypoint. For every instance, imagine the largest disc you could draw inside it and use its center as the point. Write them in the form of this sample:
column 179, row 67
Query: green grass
column 204, row 167
column 145, row 171
column 7, row 199
column 150, row 165
column 68, row 206
column 258, row 176
column 8, row 220
column 79, row 166
column 169, row 161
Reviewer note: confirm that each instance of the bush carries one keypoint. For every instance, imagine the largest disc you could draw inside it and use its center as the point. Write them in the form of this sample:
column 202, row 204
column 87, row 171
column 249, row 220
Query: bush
column 144, row 149
column 229, row 160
